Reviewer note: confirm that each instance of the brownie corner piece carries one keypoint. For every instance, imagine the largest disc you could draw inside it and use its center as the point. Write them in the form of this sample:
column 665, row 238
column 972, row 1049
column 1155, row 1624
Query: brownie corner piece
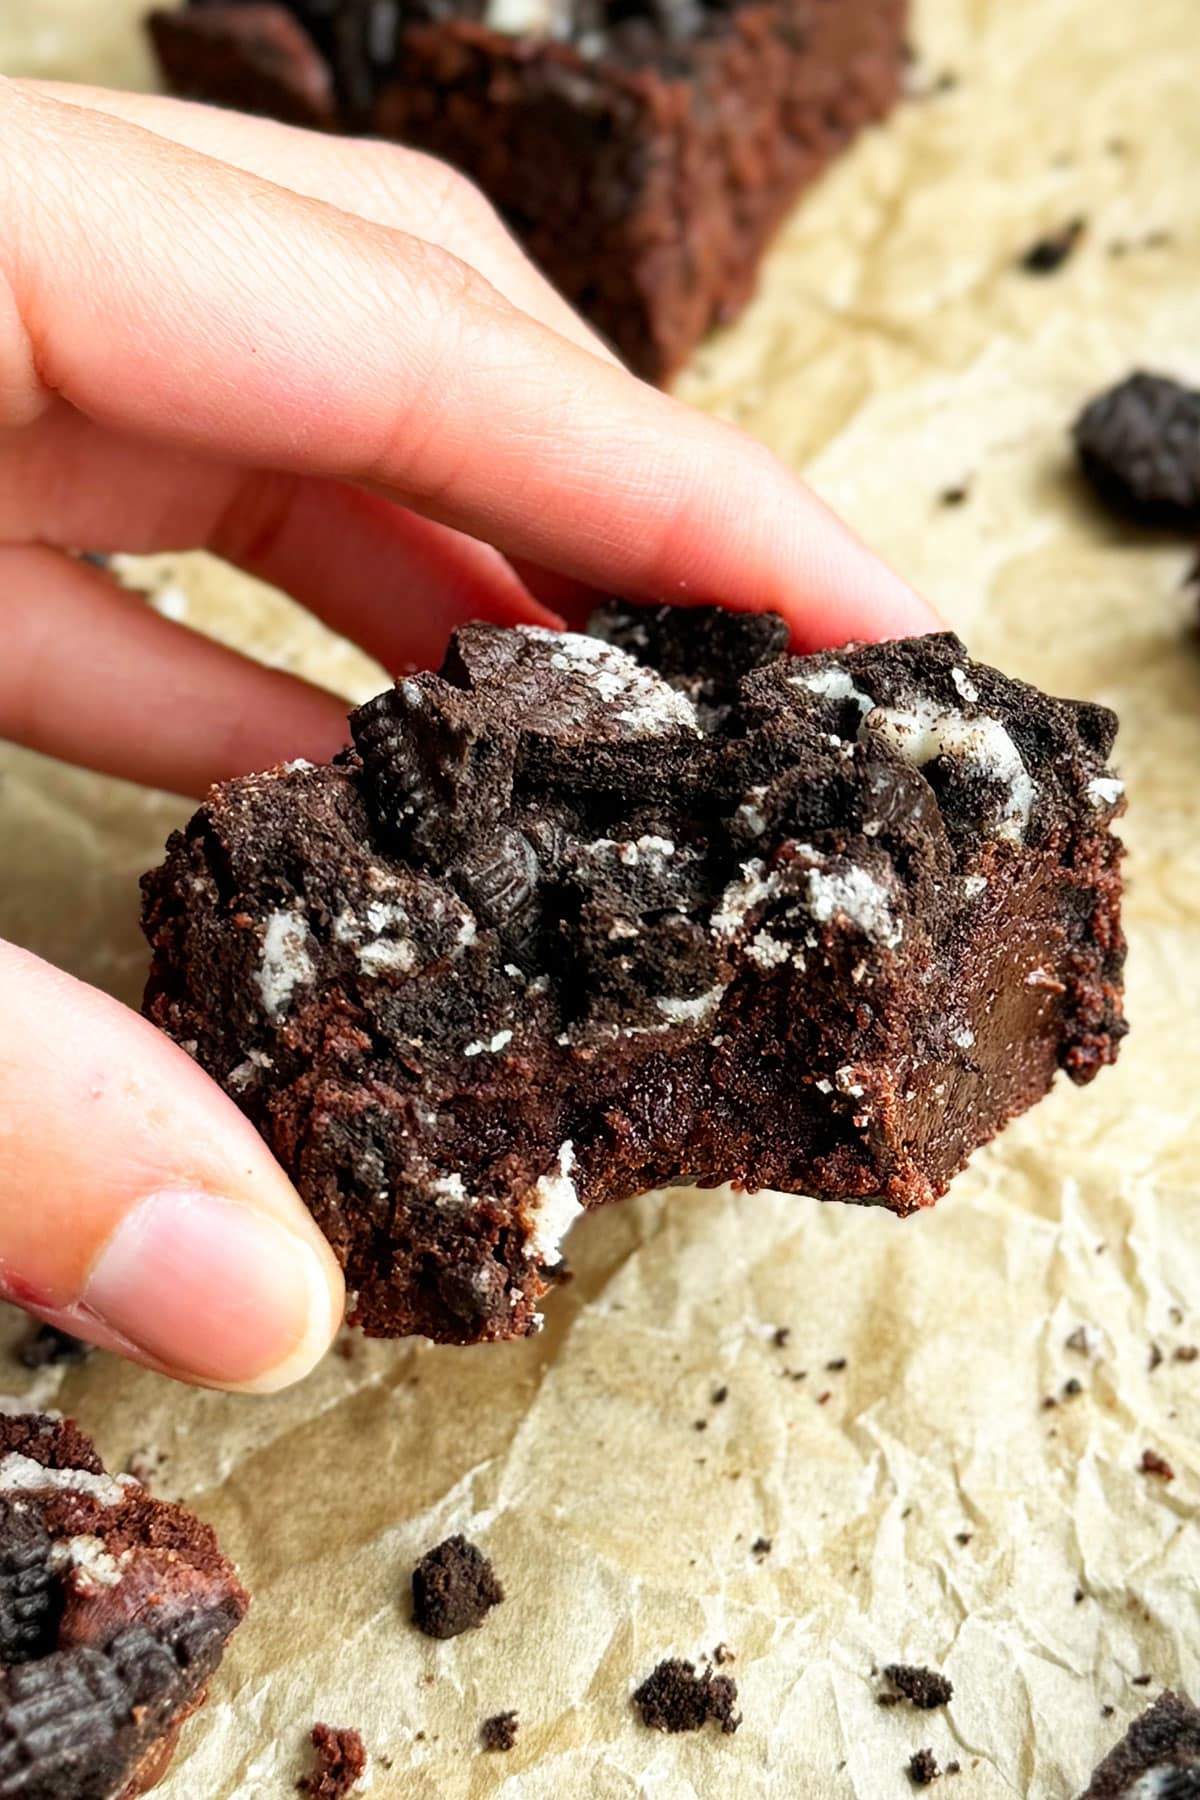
column 1157, row 1759
column 115, row 1609
column 584, row 915
column 643, row 155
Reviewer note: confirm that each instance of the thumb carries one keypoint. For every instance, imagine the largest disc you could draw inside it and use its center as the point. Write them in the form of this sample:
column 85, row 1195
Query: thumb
column 138, row 1209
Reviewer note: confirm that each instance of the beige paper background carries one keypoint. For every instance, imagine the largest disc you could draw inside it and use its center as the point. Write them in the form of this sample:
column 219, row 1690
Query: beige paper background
column 894, row 351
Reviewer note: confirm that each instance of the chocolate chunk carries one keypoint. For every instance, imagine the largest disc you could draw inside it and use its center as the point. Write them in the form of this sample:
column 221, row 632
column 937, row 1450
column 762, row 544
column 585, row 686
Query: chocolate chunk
column 924, row 1688
column 341, row 1762
column 454, row 1588
column 1154, row 1464
column 1139, row 446
column 1160, row 1754
column 677, row 1698
column 500, row 1731
column 580, row 917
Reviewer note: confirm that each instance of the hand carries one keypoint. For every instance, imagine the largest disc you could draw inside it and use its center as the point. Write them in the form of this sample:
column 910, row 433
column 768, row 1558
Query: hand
column 327, row 362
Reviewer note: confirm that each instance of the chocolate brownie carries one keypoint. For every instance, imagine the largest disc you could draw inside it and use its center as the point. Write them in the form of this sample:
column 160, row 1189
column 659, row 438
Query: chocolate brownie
column 454, row 1588
column 1139, row 446
column 675, row 1697
column 114, row 1612
column 1157, row 1759
column 644, row 151
column 341, row 1762
column 586, row 915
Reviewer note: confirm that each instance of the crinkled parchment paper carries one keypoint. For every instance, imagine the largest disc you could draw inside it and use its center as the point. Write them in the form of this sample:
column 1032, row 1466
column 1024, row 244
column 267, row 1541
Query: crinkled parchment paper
column 921, row 1503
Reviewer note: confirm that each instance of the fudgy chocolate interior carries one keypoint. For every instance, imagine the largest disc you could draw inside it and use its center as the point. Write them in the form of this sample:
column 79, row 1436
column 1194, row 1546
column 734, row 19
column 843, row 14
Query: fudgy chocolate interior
column 581, row 916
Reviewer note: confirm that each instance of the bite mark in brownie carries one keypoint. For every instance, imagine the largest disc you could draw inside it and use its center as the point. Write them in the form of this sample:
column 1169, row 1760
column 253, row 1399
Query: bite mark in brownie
column 1157, row 1759
column 341, row 1762
column 677, row 1697
column 115, row 1610
column 454, row 1587
column 1138, row 443
column 924, row 1688
column 582, row 916
column 643, row 153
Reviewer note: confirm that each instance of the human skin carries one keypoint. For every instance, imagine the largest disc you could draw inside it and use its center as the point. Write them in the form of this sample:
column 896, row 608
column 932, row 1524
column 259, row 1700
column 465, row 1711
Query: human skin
column 327, row 362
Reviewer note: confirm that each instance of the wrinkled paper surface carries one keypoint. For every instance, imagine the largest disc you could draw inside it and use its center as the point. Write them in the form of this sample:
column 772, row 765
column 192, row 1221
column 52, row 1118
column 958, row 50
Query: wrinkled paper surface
column 921, row 1504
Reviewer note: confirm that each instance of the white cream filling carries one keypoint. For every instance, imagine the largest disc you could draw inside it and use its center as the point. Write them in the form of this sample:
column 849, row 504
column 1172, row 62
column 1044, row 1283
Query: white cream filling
column 21, row 1475
column 286, row 961
column 924, row 730
column 855, row 895
column 553, row 1209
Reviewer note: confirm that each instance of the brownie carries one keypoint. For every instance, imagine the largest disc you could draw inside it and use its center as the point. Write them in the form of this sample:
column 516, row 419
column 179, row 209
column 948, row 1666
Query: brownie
column 643, row 151
column 454, row 1587
column 1139, row 445
column 582, row 916
column 341, row 1762
column 115, row 1610
column 1157, row 1759
column 675, row 1697
column 925, row 1688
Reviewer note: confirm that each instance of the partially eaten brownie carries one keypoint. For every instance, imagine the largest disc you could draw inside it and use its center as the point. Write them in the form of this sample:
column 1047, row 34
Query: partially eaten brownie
column 585, row 915
column 1157, row 1759
column 115, row 1609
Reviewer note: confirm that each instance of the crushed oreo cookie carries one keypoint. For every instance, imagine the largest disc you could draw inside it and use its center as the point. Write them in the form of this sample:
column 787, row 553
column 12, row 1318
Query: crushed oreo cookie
column 1139, row 446
column 454, row 1587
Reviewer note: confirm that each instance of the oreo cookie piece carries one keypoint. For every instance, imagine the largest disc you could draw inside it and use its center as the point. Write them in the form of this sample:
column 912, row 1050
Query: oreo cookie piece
column 585, row 915
column 1139, row 446
column 114, row 1612
column 1157, row 1759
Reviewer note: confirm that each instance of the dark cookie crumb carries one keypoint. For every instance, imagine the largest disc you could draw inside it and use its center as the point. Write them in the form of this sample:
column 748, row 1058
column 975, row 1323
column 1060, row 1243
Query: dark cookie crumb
column 675, row 1698
column 837, row 1365
column 722, row 1654
column 1072, row 1388
column 761, row 1547
column 720, row 1395
column 49, row 1346
column 341, row 1763
column 454, row 1587
column 500, row 1731
column 952, row 1768
column 924, row 1688
column 781, row 1336
column 963, row 1537
column 1079, row 1596
column 923, row 1768
column 1139, row 446
column 954, row 496
column 1141, row 1680
column 1187, row 1353
column 1154, row 1359
column 1154, row 1464
column 1046, row 255
column 699, row 1424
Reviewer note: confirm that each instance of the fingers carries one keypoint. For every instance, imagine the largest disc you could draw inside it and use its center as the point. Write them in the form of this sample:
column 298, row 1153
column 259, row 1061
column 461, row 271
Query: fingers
column 138, row 1208
column 92, row 675
column 394, row 582
column 274, row 330
column 385, row 183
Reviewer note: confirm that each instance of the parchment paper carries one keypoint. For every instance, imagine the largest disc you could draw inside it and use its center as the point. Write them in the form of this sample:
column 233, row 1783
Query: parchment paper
column 922, row 1503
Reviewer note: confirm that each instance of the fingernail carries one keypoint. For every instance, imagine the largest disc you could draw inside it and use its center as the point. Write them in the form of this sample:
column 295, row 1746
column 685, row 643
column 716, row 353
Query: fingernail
column 213, row 1292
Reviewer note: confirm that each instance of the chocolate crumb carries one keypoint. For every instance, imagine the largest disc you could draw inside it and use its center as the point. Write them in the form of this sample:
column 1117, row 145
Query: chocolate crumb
column 1141, row 1680
column 1072, row 1387
column 720, row 1395
column 722, row 1654
column 1154, row 1464
column 837, row 1365
column 782, row 1334
column 1138, row 443
column 1085, row 1340
column 822, row 1398
column 500, row 1731
column 675, row 1698
column 924, row 1688
column 954, row 496
column 341, row 1763
column 761, row 1547
column 48, row 1346
column 1080, row 1596
column 700, row 1424
column 1106, row 1712
column 1176, row 1315
column 923, row 1768
column 963, row 1537
column 1047, row 254
column 1049, row 1403
column 1155, row 1358
column 1187, row 1353
column 454, row 1588
column 952, row 1768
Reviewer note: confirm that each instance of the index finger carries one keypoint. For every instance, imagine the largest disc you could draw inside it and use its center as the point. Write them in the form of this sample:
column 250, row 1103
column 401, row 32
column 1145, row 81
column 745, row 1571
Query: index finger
column 162, row 291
